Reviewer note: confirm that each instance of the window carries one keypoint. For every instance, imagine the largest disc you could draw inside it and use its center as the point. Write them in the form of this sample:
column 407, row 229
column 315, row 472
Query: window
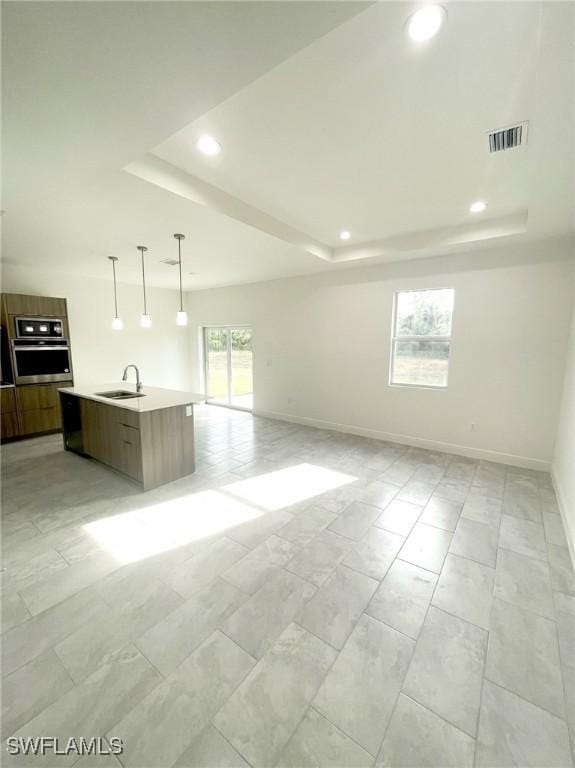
column 421, row 337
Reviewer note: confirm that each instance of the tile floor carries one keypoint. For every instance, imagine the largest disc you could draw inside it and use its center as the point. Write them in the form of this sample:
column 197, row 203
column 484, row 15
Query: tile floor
column 306, row 598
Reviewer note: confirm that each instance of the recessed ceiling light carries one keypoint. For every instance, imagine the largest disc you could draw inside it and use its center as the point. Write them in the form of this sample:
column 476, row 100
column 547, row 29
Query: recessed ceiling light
column 426, row 22
column 208, row 145
column 345, row 235
column 478, row 207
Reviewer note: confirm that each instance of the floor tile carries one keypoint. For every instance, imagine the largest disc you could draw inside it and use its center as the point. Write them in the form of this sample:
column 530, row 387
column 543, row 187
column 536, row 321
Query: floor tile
column 263, row 617
column 399, row 473
column 465, row 589
column 447, row 669
column 359, row 692
column 416, row 492
column 14, row 611
column 318, row 559
column 198, row 571
column 126, row 608
column 173, row 638
column 261, row 716
column 304, row 526
column 566, row 634
column 374, row 553
column 476, row 541
column 161, row 726
column 96, row 705
column 317, row 743
column 561, row 569
column 399, row 517
column 452, row 490
column 525, row 582
column 403, row 597
column 31, row 638
column 564, row 603
column 482, row 509
column 513, row 732
column 254, row 569
column 355, row 520
column 426, row 546
column 523, row 656
column 210, row 750
column 333, row 611
column 417, row 738
column 554, row 531
column 252, row 533
column 67, row 582
column 523, row 537
column 31, row 689
column 137, row 602
column 522, row 504
column 441, row 513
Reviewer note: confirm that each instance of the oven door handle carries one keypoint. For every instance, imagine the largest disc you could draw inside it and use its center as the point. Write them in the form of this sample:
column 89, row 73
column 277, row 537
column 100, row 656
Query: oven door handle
column 39, row 348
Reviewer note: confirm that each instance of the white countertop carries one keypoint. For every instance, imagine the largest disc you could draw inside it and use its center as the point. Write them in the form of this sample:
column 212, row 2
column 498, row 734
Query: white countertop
column 155, row 398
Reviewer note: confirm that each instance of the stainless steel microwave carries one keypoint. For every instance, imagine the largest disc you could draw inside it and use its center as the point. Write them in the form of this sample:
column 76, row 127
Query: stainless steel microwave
column 39, row 328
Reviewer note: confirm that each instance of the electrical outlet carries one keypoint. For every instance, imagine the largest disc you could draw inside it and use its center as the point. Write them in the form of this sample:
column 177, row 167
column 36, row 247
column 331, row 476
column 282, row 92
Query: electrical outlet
column 289, row 400
column 474, row 426
column 188, row 410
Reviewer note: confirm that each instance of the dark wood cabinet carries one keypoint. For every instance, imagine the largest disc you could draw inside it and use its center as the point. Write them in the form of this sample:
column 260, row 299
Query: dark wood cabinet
column 151, row 447
column 9, row 426
column 36, row 396
column 39, row 407
column 108, row 437
column 30, row 409
column 40, row 420
column 42, row 306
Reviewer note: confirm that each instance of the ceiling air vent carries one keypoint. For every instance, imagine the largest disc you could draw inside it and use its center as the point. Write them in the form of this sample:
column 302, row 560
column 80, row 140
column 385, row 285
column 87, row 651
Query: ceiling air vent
column 508, row 138
column 170, row 262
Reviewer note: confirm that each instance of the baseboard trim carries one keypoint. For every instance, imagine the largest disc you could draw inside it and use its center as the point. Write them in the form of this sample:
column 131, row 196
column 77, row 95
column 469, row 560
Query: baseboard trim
column 562, row 504
column 524, row 462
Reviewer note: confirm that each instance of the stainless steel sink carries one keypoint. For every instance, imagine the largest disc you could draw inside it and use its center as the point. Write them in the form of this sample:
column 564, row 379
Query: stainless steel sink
column 120, row 394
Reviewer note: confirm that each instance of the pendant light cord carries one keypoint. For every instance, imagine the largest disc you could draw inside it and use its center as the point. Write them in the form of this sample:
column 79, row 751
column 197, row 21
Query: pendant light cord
column 143, row 279
column 180, row 264
column 115, row 292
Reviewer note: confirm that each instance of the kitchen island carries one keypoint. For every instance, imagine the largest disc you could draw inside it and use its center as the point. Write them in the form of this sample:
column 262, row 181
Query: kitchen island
column 147, row 436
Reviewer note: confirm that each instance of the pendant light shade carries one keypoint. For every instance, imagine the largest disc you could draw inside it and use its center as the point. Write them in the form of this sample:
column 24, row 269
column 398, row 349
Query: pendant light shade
column 145, row 319
column 182, row 316
column 117, row 323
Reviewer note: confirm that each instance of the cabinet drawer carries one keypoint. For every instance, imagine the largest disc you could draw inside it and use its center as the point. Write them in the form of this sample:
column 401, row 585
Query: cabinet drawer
column 128, row 452
column 9, row 425
column 7, row 399
column 35, row 396
column 40, row 419
column 126, row 417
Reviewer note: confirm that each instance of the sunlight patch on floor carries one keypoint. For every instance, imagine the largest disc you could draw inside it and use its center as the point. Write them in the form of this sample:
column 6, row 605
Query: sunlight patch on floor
column 167, row 525
column 284, row 487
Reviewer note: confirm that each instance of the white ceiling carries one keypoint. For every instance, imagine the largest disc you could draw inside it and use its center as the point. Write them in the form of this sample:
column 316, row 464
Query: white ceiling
column 328, row 116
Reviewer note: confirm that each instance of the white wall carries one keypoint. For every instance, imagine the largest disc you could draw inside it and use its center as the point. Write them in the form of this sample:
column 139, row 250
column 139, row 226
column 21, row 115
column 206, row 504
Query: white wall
column 99, row 353
column 322, row 345
column 564, row 458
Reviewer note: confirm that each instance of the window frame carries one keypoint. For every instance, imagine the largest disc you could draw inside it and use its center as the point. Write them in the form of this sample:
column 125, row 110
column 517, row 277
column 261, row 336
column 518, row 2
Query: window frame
column 395, row 338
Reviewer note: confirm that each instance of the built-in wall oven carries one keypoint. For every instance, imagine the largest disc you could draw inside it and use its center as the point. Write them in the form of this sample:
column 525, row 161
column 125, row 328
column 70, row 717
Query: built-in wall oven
column 39, row 351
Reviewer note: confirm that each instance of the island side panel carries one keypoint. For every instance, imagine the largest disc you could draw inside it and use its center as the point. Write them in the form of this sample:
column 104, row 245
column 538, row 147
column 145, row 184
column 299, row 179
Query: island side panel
column 167, row 439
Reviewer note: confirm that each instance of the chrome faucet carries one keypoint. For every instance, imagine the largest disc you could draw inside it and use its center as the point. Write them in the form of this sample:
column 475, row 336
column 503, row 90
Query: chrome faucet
column 139, row 385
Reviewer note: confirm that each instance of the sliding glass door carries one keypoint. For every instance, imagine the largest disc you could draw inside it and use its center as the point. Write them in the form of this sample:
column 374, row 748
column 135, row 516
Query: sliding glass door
column 228, row 357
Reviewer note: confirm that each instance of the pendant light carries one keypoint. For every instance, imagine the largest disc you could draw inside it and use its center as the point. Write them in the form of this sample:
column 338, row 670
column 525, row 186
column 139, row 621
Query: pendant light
column 117, row 323
column 145, row 319
column 182, row 316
